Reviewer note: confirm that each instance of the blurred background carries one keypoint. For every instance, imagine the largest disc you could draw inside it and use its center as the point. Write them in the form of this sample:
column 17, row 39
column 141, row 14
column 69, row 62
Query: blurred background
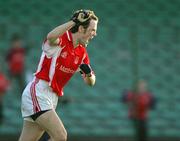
column 135, row 40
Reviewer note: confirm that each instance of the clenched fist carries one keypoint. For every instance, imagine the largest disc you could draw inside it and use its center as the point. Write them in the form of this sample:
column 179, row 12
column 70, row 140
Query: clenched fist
column 81, row 16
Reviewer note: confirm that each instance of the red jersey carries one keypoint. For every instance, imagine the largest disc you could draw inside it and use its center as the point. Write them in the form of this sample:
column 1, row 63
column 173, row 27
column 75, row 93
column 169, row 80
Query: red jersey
column 58, row 63
column 16, row 60
column 139, row 104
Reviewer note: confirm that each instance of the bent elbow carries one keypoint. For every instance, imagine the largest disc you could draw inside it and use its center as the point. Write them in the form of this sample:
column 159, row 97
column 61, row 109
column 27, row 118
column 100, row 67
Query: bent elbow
column 49, row 36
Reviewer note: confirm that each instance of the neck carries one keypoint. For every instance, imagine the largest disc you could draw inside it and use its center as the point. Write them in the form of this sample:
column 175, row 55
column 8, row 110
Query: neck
column 75, row 40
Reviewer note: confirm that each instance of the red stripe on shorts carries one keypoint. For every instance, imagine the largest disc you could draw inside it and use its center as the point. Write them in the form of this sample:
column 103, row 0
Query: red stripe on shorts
column 31, row 91
column 36, row 107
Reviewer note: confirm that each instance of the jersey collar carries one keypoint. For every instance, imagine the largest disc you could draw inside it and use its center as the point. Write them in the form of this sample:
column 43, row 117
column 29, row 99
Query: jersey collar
column 69, row 35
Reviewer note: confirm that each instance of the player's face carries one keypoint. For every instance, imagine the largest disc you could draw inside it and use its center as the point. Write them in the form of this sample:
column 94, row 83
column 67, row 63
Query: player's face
column 89, row 33
column 142, row 86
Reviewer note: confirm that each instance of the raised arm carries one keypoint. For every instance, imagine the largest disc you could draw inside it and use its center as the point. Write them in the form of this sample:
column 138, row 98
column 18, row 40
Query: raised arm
column 78, row 17
column 53, row 35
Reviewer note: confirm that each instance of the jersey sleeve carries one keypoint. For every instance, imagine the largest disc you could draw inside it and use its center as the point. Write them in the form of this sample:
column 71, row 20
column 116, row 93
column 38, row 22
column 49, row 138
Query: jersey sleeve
column 86, row 58
column 62, row 40
column 49, row 50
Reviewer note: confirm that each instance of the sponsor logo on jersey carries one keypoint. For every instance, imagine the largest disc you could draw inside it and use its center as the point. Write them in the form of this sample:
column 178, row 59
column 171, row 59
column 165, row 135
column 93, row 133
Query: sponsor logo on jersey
column 66, row 70
column 64, row 54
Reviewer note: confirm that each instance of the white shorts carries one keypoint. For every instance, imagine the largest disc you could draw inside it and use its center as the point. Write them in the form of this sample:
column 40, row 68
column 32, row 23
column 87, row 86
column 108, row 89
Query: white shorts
column 37, row 96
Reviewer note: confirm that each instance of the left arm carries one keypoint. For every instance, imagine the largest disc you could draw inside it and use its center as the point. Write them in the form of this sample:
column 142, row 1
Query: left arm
column 88, row 75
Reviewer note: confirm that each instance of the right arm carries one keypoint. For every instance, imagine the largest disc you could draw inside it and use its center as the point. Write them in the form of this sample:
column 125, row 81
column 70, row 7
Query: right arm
column 78, row 17
column 53, row 36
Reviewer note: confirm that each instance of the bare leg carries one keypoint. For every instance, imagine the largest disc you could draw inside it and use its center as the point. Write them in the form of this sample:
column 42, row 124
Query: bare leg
column 31, row 131
column 51, row 123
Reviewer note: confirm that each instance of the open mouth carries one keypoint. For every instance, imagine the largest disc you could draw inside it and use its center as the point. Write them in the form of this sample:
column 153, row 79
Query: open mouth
column 86, row 42
column 90, row 39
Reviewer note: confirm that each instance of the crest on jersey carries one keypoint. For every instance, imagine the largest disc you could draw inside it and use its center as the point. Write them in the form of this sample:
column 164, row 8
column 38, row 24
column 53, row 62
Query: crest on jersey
column 76, row 60
column 64, row 54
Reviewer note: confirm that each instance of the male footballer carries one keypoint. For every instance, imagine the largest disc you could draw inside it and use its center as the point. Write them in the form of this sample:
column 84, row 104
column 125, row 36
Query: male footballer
column 64, row 53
